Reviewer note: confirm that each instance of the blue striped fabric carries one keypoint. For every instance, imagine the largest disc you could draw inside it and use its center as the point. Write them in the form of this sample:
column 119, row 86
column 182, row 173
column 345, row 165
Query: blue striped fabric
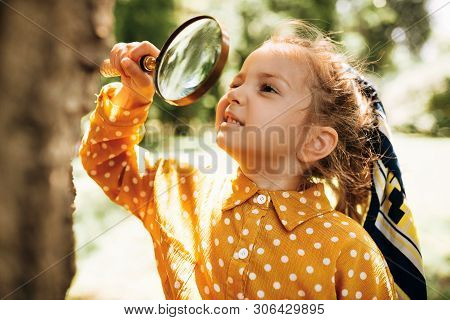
column 389, row 220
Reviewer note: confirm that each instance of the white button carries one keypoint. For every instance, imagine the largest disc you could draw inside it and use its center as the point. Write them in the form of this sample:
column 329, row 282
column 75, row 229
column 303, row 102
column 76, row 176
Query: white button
column 261, row 199
column 243, row 253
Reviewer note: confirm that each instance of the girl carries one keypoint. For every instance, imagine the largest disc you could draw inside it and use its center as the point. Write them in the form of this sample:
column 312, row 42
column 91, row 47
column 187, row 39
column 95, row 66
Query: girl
column 294, row 121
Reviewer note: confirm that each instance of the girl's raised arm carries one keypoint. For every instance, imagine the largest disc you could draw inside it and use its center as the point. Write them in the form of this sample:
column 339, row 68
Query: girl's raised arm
column 108, row 150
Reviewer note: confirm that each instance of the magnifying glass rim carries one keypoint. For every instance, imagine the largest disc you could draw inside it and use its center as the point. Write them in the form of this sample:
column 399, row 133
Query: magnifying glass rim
column 217, row 69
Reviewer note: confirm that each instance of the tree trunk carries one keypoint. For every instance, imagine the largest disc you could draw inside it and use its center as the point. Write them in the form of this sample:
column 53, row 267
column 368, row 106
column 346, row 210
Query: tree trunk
column 50, row 52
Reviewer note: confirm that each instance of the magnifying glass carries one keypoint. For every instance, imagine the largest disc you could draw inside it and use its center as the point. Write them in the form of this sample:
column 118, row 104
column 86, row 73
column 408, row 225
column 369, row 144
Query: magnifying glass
column 189, row 63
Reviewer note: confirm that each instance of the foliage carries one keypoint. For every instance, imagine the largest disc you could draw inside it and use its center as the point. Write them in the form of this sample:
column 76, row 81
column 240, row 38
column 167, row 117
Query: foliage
column 439, row 107
column 370, row 30
column 435, row 119
column 392, row 23
column 139, row 20
column 438, row 284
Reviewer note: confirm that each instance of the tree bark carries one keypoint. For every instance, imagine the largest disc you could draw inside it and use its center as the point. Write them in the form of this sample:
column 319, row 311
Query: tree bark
column 50, row 52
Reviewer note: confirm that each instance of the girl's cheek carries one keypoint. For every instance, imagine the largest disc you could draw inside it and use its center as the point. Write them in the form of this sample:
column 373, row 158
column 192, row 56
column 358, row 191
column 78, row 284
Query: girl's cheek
column 220, row 109
column 261, row 118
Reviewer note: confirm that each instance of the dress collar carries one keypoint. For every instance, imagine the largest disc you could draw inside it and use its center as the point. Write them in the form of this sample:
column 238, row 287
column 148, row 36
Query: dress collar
column 292, row 207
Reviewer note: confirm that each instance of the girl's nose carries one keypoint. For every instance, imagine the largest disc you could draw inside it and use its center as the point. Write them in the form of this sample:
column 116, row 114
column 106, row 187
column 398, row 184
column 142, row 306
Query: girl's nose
column 235, row 96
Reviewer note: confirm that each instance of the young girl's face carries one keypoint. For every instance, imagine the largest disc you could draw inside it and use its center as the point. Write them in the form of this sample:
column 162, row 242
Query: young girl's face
column 260, row 120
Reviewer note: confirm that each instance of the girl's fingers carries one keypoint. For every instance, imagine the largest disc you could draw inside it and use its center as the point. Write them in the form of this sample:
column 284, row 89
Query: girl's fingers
column 115, row 57
column 142, row 49
column 125, row 66
column 133, row 71
column 112, row 56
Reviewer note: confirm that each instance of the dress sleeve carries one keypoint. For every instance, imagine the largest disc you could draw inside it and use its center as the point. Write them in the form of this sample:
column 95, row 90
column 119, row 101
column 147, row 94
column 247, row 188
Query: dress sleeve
column 109, row 153
column 362, row 272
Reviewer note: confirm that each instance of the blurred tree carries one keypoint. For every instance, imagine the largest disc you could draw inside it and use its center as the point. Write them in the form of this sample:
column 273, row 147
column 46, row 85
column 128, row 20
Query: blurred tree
column 258, row 23
column 377, row 26
column 321, row 13
column 139, row 20
column 46, row 86
column 154, row 21
column 369, row 29
column 439, row 108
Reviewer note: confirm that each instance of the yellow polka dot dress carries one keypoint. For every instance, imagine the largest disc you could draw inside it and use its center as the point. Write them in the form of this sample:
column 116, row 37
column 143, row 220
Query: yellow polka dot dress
column 221, row 237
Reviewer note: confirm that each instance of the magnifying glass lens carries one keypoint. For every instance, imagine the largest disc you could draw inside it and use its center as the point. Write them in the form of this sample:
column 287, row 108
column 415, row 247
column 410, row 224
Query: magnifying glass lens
column 189, row 63
column 189, row 59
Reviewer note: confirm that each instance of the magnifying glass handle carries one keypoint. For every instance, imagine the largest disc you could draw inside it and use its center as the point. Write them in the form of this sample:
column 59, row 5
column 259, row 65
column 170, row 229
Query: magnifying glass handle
column 147, row 64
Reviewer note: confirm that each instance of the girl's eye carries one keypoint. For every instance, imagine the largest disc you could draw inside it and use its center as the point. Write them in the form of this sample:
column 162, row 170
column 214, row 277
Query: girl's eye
column 267, row 88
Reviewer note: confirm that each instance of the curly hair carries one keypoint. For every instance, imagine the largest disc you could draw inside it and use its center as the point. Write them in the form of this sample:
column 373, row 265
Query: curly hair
column 338, row 102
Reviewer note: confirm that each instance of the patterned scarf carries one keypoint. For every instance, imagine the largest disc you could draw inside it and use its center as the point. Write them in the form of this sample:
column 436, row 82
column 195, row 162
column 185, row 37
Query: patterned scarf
column 389, row 220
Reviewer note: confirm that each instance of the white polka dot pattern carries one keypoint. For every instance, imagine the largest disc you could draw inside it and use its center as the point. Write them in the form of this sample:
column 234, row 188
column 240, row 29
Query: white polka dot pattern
column 297, row 246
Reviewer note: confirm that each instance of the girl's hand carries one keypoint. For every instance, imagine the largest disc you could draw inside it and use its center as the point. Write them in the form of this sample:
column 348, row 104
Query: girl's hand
column 138, row 87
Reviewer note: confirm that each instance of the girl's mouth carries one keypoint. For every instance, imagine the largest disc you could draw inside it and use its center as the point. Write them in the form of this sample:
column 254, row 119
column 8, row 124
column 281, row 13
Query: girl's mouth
column 229, row 120
column 233, row 121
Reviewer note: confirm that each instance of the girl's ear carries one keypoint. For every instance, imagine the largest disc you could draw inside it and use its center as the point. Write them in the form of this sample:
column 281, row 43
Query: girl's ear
column 319, row 143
